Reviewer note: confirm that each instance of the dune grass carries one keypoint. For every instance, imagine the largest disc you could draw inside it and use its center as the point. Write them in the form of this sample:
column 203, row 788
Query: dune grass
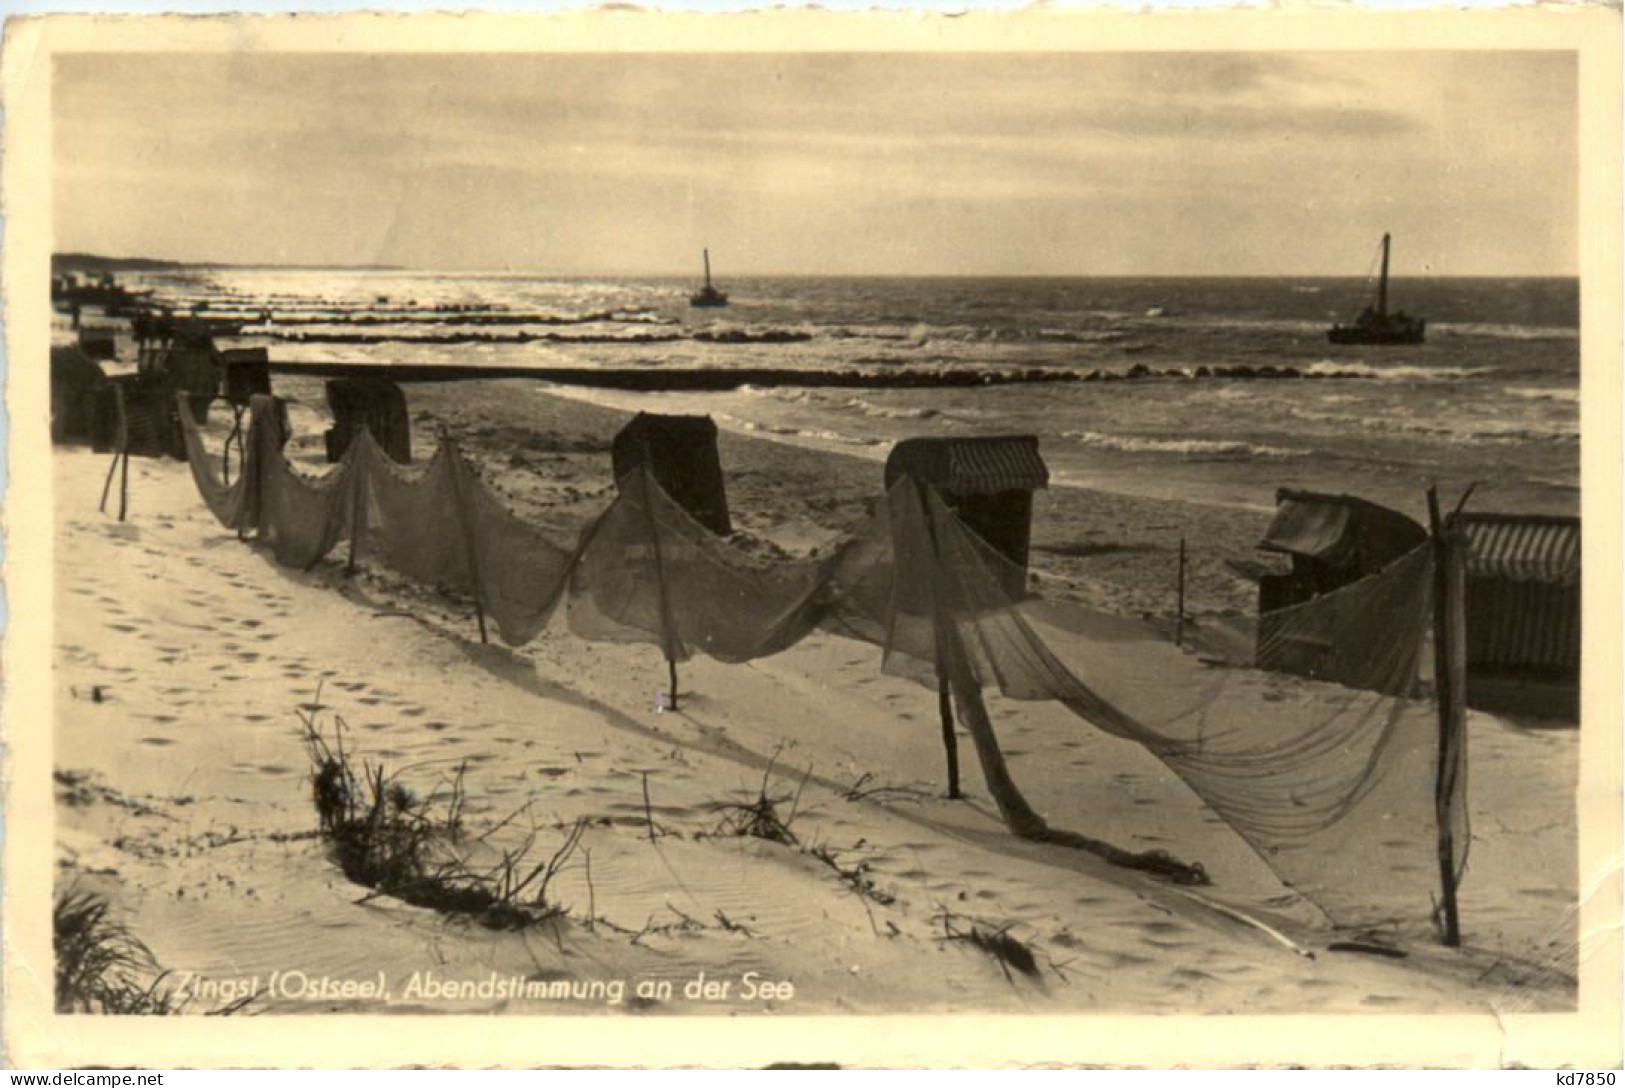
column 387, row 838
column 101, row 967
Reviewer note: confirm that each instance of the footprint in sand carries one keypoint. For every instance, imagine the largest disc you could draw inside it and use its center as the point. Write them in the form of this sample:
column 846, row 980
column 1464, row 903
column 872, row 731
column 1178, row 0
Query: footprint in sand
column 1547, row 893
column 1159, row 928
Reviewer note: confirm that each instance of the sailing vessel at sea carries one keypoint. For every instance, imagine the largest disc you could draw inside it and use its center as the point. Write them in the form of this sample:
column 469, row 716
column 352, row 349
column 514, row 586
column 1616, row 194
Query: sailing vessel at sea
column 1375, row 325
column 708, row 295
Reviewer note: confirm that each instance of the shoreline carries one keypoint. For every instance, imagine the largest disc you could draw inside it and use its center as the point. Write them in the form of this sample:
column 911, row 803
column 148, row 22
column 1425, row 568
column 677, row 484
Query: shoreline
column 1114, row 551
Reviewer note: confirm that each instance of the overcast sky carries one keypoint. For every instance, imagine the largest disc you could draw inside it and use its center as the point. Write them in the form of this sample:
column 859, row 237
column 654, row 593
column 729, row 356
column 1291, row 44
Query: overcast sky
column 1052, row 164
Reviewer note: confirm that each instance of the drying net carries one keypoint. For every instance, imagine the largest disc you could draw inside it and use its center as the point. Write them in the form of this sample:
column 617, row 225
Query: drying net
column 1333, row 777
column 1336, row 787
column 648, row 572
column 440, row 524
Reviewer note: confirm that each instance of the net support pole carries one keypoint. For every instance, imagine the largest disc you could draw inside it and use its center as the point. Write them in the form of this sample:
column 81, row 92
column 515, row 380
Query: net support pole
column 668, row 632
column 358, row 515
column 256, row 436
column 1179, row 603
column 225, row 452
column 466, row 524
column 950, row 739
column 1449, row 676
column 107, row 483
column 943, row 632
column 123, row 457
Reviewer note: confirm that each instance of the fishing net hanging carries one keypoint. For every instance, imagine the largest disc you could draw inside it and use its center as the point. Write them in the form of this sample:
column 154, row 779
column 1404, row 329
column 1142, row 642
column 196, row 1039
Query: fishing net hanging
column 1332, row 781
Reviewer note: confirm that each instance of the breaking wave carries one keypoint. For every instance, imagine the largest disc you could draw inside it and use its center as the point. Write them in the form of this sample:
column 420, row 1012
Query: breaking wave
column 757, row 427
column 1505, row 332
column 1400, row 373
column 1456, row 432
column 1563, row 396
column 1184, row 447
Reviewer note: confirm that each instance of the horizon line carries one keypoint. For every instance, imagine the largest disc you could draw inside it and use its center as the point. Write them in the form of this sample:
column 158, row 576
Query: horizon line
column 323, row 266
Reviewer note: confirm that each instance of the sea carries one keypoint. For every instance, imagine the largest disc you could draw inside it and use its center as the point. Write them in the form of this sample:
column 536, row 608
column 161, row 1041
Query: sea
column 1491, row 400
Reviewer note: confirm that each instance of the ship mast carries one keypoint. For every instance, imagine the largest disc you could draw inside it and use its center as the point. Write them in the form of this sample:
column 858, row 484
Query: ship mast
column 707, row 253
column 1382, row 285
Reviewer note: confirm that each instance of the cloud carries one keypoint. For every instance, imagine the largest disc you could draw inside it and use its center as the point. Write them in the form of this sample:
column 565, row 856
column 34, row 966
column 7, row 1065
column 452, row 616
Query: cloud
column 593, row 147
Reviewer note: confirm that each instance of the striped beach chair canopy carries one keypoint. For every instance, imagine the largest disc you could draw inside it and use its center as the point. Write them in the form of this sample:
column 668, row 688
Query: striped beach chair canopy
column 1523, row 547
column 970, row 466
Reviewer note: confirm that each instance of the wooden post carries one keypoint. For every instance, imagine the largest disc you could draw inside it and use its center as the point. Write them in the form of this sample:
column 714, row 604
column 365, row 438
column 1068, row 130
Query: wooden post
column 668, row 632
column 358, row 514
column 237, row 411
column 454, row 459
column 950, row 740
column 107, row 484
column 1449, row 673
column 1179, row 613
column 123, row 455
column 945, row 706
column 225, row 451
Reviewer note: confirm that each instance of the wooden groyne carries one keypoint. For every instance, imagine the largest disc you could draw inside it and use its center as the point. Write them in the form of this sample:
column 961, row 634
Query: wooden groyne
column 681, row 380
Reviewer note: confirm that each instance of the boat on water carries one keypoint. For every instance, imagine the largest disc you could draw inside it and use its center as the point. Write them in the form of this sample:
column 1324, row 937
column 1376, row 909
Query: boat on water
column 1375, row 325
column 708, row 295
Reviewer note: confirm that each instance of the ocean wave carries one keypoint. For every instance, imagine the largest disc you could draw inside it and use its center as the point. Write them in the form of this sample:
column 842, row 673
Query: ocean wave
column 1453, row 431
column 983, row 334
column 1505, row 332
column 881, row 411
column 758, row 427
column 1564, row 396
column 1200, row 447
column 788, row 393
column 1399, row 373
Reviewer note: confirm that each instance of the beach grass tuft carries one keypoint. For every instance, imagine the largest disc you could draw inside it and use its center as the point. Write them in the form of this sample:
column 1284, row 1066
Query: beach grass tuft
column 391, row 840
column 101, row 967
column 760, row 818
column 996, row 941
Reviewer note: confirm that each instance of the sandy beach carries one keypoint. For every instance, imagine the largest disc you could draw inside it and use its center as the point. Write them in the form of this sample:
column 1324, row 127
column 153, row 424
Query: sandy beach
column 183, row 789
